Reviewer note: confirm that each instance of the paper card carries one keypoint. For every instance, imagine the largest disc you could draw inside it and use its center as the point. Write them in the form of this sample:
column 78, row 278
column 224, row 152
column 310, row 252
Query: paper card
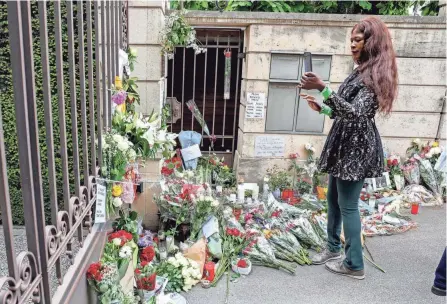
column 127, row 282
column 210, row 227
column 190, row 153
column 100, row 214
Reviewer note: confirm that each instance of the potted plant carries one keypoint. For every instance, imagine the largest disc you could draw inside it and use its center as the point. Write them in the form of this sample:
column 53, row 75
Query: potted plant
column 241, row 266
column 279, row 181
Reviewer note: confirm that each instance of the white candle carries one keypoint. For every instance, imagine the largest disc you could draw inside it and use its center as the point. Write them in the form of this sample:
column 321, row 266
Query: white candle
column 240, row 193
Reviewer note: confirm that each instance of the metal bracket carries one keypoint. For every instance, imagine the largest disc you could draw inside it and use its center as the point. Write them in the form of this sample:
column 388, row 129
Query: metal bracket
column 241, row 56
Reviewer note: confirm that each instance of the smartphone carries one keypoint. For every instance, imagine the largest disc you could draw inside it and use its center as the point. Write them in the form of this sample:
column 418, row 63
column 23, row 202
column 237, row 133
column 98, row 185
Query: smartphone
column 307, row 62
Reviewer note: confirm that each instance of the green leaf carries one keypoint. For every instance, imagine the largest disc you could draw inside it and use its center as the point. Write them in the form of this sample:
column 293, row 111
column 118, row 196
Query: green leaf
column 133, row 215
column 365, row 5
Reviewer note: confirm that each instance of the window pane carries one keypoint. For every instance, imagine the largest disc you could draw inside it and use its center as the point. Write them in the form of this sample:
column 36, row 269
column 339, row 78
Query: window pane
column 321, row 65
column 281, row 107
column 284, row 67
column 308, row 120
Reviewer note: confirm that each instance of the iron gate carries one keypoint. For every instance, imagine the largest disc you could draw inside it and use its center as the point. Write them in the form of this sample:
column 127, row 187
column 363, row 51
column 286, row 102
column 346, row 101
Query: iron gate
column 52, row 237
column 201, row 77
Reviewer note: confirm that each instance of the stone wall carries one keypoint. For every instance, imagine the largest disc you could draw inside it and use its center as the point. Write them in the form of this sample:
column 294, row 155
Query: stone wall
column 420, row 44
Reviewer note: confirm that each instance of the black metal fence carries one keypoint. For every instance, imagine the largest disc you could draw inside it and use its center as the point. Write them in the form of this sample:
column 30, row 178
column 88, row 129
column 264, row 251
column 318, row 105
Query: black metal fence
column 92, row 66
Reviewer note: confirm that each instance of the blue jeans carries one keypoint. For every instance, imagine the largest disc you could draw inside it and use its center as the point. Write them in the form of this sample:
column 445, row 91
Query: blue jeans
column 440, row 274
column 343, row 197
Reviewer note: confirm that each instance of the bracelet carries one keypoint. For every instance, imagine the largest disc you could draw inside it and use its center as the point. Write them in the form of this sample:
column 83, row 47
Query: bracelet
column 326, row 92
column 325, row 110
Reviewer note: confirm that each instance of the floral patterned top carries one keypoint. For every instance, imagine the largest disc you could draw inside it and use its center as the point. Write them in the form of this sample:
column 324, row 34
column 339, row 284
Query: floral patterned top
column 353, row 149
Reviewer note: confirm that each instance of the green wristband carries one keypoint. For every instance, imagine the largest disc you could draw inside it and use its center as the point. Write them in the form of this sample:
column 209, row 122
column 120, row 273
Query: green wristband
column 326, row 110
column 326, row 92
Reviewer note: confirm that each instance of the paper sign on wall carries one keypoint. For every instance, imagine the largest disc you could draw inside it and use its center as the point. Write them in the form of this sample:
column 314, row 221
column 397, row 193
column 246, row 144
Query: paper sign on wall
column 100, row 214
column 269, row 146
column 192, row 152
column 255, row 105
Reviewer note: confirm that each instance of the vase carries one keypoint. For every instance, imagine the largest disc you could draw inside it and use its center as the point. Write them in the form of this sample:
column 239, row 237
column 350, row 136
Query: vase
column 169, row 242
column 277, row 194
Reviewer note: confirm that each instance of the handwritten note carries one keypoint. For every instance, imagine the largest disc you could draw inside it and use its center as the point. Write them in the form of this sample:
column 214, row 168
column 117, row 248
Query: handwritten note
column 192, row 152
column 269, row 146
column 255, row 106
column 100, row 215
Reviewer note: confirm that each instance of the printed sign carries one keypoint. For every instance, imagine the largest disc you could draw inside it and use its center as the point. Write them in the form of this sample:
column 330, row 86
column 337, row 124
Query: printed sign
column 269, row 146
column 190, row 153
column 255, row 106
column 100, row 214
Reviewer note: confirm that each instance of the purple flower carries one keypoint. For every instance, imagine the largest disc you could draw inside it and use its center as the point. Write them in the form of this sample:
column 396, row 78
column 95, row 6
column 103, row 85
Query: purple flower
column 144, row 242
column 119, row 98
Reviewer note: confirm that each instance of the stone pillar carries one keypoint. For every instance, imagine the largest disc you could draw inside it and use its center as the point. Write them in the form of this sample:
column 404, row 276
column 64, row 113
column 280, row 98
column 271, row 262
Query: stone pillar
column 146, row 19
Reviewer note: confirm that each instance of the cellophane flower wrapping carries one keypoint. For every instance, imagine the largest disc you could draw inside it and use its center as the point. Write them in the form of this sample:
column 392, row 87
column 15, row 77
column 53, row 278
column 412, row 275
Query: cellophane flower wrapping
column 418, row 194
column 411, row 173
column 428, row 174
column 198, row 115
column 303, row 230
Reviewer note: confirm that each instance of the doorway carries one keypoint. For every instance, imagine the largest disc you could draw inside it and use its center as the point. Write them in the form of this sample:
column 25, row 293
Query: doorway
column 201, row 78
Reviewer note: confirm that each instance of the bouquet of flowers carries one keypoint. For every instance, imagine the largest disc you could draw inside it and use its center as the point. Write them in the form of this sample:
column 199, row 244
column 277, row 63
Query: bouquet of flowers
column 283, row 244
column 146, row 239
column 205, row 206
column 411, row 172
column 145, row 276
column 182, row 273
column 198, row 115
column 147, row 254
column 121, row 249
column 234, row 240
column 428, row 174
column 103, row 277
column 145, row 134
column 170, row 166
column 303, row 230
column 178, row 32
column 261, row 253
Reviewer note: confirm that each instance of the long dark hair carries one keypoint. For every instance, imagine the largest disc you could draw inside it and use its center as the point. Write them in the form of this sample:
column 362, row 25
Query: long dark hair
column 377, row 64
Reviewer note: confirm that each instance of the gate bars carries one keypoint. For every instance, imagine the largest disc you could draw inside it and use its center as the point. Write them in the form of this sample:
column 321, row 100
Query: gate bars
column 28, row 273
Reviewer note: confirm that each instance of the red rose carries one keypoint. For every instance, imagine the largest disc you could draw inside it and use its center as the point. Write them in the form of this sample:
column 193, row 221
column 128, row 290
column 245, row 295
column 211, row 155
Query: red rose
column 389, row 162
column 138, row 271
column 242, row 263
column 248, row 217
column 147, row 254
column 395, row 162
column 293, row 156
column 156, row 241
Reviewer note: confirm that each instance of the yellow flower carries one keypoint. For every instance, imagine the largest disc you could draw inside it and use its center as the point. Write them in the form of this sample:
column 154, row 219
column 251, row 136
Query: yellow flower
column 226, row 168
column 435, row 144
column 117, row 190
column 118, row 83
column 121, row 108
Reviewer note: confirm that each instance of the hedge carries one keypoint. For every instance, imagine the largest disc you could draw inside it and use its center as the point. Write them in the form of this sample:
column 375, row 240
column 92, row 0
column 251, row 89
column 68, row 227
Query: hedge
column 8, row 110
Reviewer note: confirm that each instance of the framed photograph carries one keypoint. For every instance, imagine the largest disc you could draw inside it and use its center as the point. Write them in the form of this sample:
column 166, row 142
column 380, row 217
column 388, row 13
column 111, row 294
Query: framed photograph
column 383, row 182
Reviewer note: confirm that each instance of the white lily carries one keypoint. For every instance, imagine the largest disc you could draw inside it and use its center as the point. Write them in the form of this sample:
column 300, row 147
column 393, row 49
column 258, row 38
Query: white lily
column 149, row 135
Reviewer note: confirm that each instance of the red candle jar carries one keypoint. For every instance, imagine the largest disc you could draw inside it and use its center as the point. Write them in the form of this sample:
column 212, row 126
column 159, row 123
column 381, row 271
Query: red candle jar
column 208, row 271
column 286, row 194
column 414, row 208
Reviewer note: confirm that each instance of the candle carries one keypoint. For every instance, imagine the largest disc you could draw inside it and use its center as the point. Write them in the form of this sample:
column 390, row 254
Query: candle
column 240, row 193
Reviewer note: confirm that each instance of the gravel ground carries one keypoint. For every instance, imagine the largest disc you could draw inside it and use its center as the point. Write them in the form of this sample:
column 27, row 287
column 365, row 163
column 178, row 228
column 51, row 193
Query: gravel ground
column 409, row 259
column 20, row 245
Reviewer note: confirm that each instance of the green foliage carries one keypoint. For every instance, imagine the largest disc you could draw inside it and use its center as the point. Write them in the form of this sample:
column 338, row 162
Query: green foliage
column 429, row 8
column 127, row 221
column 8, row 108
column 278, row 179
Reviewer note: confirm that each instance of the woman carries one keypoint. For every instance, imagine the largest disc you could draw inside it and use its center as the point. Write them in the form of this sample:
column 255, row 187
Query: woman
column 353, row 149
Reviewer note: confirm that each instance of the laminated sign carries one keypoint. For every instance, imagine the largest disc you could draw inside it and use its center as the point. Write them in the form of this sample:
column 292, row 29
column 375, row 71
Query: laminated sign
column 100, row 215
column 255, row 105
